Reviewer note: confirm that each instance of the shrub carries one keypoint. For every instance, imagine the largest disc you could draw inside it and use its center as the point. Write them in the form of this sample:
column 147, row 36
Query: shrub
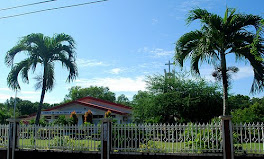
column 88, row 117
column 62, row 120
column 74, row 117
column 108, row 114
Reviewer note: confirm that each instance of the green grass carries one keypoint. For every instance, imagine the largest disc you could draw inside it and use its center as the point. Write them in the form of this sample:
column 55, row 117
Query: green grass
column 250, row 148
column 68, row 144
column 92, row 145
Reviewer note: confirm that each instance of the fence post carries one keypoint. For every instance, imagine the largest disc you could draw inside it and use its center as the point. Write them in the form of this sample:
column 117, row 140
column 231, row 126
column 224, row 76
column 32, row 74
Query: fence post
column 12, row 138
column 106, row 138
column 227, row 134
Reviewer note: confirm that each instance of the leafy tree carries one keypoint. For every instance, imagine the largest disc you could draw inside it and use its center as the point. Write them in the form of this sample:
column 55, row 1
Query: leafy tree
column 177, row 99
column 220, row 36
column 5, row 113
column 238, row 102
column 45, row 51
column 143, row 104
column 122, row 99
column 78, row 92
column 254, row 113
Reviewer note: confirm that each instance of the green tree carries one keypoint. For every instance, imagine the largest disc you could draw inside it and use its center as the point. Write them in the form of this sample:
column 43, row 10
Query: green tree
column 220, row 36
column 254, row 113
column 45, row 51
column 239, row 102
column 143, row 104
column 122, row 99
column 177, row 99
column 78, row 92
column 5, row 113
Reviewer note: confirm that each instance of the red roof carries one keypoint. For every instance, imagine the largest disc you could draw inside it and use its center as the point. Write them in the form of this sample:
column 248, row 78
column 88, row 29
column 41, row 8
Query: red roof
column 86, row 101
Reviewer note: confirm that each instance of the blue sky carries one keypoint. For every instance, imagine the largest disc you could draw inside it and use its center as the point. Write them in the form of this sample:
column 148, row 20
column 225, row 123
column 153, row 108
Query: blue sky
column 119, row 42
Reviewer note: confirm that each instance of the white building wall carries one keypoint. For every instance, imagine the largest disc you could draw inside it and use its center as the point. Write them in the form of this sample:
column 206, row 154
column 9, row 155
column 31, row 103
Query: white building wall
column 80, row 111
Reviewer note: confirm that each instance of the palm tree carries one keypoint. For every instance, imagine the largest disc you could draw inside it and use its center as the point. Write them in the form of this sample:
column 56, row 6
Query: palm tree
column 45, row 51
column 218, row 37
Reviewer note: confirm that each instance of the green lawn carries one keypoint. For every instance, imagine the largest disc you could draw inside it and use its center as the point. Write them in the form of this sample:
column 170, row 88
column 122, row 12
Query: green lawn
column 66, row 144
column 253, row 148
column 156, row 146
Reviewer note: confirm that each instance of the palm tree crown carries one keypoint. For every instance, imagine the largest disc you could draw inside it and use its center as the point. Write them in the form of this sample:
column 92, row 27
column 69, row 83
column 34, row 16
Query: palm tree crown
column 45, row 51
column 234, row 33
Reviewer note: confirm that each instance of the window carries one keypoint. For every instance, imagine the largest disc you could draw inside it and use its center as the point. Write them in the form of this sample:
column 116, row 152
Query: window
column 98, row 116
column 47, row 117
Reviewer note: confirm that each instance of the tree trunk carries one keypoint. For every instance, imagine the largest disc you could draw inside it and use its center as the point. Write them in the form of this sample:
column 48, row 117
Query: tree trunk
column 41, row 97
column 225, row 83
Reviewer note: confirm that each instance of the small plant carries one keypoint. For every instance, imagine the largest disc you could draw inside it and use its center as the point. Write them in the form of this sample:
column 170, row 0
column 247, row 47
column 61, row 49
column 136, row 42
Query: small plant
column 64, row 141
column 88, row 116
column 74, row 117
column 62, row 120
column 108, row 114
column 151, row 146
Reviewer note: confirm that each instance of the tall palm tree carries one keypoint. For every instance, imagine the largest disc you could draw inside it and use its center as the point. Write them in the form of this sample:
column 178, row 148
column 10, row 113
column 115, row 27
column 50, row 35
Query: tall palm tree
column 220, row 36
column 45, row 51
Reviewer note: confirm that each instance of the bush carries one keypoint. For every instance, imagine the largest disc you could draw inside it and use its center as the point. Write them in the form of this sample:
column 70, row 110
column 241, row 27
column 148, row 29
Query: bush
column 88, row 117
column 151, row 146
column 203, row 139
column 74, row 118
column 63, row 121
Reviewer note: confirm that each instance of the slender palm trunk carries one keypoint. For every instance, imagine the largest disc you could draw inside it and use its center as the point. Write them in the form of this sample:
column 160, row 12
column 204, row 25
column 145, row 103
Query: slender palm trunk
column 225, row 84
column 41, row 97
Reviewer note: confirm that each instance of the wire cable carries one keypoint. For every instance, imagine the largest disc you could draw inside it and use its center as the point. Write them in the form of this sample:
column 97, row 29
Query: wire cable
column 26, row 5
column 56, row 8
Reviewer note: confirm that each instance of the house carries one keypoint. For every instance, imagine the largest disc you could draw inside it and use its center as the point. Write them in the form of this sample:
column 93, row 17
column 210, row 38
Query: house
column 121, row 113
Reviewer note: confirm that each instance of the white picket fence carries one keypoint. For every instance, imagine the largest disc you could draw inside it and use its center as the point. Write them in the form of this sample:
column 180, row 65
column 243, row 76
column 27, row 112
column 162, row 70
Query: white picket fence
column 190, row 138
column 59, row 137
column 249, row 137
column 4, row 131
column 152, row 138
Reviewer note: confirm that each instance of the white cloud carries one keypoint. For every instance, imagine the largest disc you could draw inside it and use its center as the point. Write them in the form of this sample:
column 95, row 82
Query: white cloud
column 156, row 52
column 116, row 71
column 89, row 63
column 244, row 72
column 5, row 89
column 160, row 52
column 155, row 21
column 119, row 84
column 29, row 92
column 187, row 5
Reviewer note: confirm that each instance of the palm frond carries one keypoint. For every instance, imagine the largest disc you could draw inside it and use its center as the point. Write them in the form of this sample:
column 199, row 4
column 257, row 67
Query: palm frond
column 39, row 82
column 12, row 79
column 69, row 64
column 50, row 78
column 9, row 58
column 59, row 38
column 196, row 14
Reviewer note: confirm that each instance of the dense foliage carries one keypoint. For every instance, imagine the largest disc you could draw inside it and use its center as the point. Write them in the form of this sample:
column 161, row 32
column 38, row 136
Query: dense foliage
column 23, row 108
column 177, row 99
column 78, row 92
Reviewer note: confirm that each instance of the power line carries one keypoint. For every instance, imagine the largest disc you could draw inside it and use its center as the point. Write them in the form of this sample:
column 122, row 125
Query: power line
column 26, row 5
column 56, row 8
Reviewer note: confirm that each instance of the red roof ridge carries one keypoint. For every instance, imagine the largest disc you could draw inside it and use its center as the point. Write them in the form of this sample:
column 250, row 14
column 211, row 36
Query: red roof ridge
column 101, row 107
column 84, row 103
column 105, row 101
